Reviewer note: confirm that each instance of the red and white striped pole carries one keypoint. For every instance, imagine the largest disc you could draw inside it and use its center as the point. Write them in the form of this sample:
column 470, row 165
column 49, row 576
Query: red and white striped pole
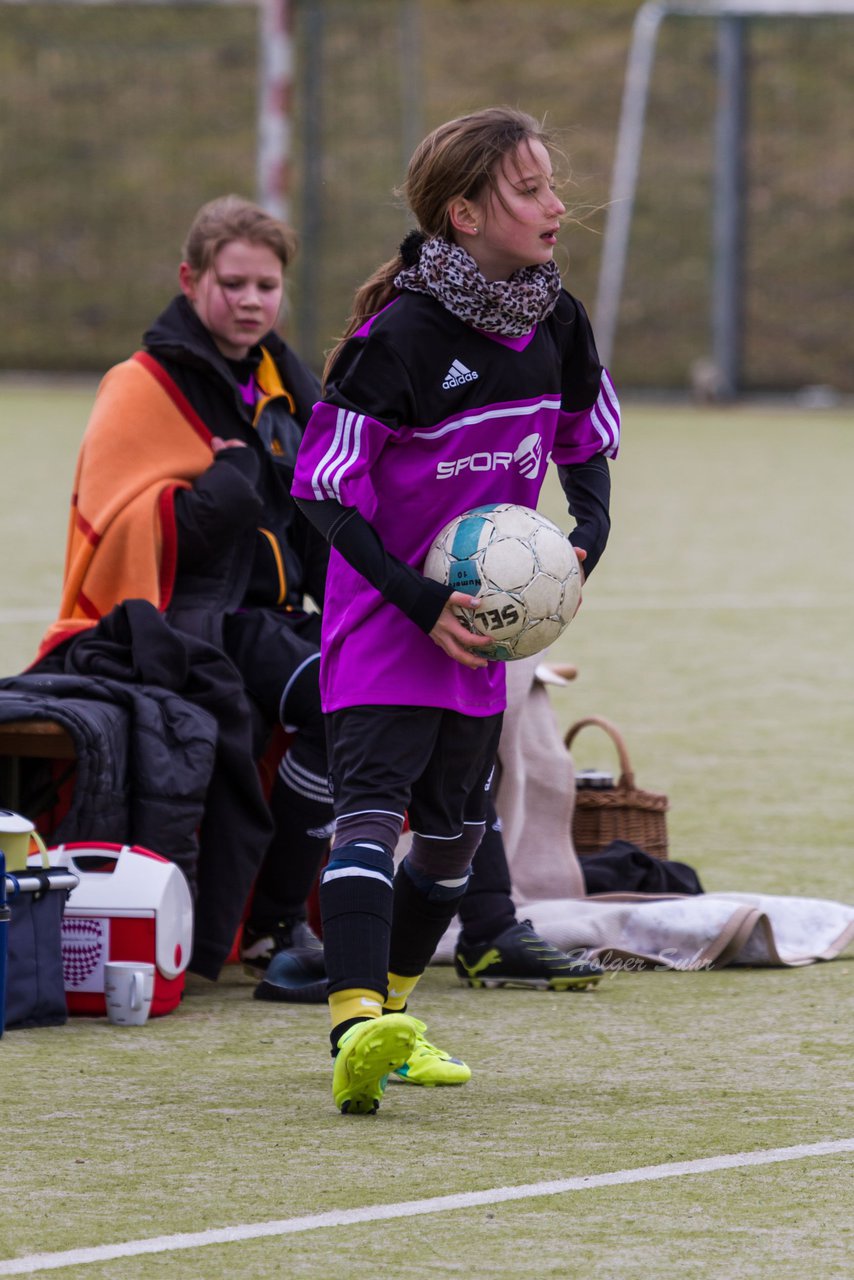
column 275, row 99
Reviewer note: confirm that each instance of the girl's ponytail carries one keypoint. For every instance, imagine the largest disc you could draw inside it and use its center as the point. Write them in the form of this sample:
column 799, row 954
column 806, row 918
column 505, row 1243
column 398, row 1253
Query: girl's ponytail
column 377, row 291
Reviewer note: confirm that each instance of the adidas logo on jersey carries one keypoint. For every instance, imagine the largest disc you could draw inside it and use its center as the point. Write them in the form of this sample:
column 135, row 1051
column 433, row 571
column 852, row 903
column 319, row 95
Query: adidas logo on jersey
column 457, row 375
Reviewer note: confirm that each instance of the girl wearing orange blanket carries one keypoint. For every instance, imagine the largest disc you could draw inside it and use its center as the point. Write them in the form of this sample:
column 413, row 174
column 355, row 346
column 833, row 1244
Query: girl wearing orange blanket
column 182, row 498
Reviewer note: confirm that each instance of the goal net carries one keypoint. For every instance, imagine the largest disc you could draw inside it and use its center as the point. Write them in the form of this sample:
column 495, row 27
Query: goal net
column 118, row 119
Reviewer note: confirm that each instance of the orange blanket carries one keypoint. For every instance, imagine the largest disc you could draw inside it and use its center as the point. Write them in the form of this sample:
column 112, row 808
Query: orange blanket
column 143, row 441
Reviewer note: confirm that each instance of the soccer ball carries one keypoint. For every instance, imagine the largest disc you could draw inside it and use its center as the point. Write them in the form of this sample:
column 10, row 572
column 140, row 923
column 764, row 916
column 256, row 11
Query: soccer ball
column 520, row 565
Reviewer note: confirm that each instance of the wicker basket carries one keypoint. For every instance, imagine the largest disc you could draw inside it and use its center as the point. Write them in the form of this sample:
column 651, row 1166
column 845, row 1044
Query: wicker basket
column 618, row 812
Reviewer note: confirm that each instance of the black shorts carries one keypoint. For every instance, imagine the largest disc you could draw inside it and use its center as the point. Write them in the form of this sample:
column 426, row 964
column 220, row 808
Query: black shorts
column 432, row 763
column 267, row 646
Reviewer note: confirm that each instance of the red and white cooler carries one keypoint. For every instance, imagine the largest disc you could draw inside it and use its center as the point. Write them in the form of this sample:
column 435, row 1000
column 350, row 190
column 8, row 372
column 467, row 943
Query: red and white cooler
column 130, row 904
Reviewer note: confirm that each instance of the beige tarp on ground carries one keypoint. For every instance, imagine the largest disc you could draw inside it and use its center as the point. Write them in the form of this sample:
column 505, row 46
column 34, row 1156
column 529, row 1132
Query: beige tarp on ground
column 535, row 799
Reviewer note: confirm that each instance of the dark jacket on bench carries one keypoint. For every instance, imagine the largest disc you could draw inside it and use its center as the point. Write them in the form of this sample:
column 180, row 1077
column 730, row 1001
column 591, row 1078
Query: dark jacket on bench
column 163, row 732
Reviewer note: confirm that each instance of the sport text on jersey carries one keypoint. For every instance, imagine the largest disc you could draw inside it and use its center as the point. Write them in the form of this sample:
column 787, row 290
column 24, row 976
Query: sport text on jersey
column 528, row 456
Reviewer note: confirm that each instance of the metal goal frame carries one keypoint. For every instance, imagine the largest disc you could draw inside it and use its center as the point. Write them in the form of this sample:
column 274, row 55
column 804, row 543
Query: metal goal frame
column 731, row 16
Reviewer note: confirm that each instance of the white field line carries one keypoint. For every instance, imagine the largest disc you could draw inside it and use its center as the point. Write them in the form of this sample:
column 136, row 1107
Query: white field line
column 738, row 602
column 782, row 602
column 414, row 1208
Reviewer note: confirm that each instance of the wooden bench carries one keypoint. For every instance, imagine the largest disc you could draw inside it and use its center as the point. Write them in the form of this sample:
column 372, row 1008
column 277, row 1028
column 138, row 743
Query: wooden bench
column 21, row 739
column 47, row 740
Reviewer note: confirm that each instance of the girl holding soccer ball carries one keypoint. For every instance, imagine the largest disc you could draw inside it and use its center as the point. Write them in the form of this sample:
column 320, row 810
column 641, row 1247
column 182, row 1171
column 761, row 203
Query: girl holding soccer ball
column 462, row 352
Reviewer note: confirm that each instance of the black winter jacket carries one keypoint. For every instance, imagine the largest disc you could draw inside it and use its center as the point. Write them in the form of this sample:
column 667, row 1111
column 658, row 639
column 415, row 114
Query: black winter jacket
column 241, row 539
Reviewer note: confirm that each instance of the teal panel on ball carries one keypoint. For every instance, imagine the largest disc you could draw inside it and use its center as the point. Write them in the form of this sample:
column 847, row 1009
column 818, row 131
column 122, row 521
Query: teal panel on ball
column 499, row 653
column 468, row 534
column 464, row 576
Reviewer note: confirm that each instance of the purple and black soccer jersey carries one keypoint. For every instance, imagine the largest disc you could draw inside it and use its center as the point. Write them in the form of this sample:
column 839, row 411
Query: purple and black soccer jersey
column 424, row 418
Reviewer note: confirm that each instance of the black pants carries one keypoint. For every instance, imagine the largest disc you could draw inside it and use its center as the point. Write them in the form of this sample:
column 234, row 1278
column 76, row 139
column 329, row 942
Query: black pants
column 277, row 655
column 433, row 764
column 269, row 647
column 429, row 762
column 486, row 907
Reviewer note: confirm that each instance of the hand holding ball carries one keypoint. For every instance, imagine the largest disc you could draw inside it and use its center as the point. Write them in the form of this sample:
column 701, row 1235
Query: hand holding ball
column 523, row 569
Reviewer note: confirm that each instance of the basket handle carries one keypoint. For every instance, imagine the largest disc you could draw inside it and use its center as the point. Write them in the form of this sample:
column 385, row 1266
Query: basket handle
column 41, row 847
column 616, row 737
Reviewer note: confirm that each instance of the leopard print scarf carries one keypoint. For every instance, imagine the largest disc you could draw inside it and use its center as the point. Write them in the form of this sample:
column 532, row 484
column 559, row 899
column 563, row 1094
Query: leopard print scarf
column 448, row 273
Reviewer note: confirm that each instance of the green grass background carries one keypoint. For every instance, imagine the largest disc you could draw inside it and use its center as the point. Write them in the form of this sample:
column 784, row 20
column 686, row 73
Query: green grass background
column 716, row 634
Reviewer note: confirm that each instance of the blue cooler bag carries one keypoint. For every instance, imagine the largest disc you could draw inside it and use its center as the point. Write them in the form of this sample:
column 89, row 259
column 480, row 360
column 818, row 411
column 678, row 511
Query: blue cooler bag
column 35, row 991
column 4, row 939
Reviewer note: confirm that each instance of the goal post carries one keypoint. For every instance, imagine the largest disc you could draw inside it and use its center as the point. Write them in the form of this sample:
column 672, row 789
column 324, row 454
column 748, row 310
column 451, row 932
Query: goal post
column 275, row 94
column 275, row 105
column 729, row 178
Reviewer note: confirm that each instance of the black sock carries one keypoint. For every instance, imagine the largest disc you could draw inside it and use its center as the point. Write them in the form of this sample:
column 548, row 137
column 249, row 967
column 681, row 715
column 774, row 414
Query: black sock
column 337, row 1032
column 356, row 911
column 418, row 923
column 294, row 857
column 486, row 908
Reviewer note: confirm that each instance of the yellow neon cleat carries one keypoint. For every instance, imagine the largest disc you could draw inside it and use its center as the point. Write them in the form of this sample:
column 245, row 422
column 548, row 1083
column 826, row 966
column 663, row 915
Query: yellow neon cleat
column 427, row 1065
column 367, row 1052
